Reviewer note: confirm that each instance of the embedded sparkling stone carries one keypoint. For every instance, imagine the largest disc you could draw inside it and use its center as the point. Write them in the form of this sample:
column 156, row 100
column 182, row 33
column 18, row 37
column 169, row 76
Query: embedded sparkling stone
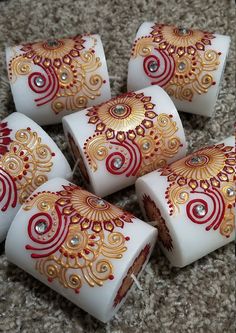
column 230, row 192
column 41, row 227
column 196, row 159
column 200, row 210
column 101, row 202
column 100, row 152
column 39, row 81
column 181, row 66
column 104, row 268
column 182, row 195
column 64, row 76
column 118, row 163
column 183, row 31
column 74, row 241
column 153, row 66
column 52, row 42
column 119, row 110
column 146, row 145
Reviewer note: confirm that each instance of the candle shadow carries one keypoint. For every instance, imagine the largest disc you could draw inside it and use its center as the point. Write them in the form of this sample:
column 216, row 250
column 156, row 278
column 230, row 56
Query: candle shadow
column 2, row 247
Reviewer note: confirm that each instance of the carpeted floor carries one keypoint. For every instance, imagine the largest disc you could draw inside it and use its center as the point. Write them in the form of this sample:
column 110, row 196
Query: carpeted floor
column 198, row 298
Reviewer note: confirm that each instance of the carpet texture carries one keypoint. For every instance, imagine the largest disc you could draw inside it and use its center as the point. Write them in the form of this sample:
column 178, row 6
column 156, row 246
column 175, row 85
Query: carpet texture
column 198, row 298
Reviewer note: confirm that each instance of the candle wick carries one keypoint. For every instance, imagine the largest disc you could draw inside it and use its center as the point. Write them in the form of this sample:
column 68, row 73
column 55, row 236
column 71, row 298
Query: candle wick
column 136, row 282
column 75, row 167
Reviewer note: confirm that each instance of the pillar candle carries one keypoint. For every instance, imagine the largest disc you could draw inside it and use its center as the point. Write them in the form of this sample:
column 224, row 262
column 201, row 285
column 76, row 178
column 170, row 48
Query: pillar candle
column 52, row 78
column 191, row 202
column 124, row 138
column 81, row 246
column 189, row 64
column 28, row 158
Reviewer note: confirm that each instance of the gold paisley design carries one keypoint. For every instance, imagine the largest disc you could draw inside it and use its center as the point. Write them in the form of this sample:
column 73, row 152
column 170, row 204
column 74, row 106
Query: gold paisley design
column 28, row 161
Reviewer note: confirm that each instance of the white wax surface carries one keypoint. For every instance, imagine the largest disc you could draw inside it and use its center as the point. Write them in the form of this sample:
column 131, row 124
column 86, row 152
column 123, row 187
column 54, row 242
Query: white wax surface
column 190, row 240
column 24, row 97
column 60, row 167
column 97, row 300
column 202, row 104
column 103, row 182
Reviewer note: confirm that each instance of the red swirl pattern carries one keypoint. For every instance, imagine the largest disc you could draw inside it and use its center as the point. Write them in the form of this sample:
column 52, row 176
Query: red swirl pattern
column 165, row 67
column 53, row 236
column 49, row 87
column 130, row 157
column 5, row 139
column 8, row 191
column 213, row 203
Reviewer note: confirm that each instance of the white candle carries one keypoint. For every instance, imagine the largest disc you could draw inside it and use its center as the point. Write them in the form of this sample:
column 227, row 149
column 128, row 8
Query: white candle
column 192, row 201
column 80, row 245
column 124, row 138
column 28, row 158
column 189, row 64
column 52, row 78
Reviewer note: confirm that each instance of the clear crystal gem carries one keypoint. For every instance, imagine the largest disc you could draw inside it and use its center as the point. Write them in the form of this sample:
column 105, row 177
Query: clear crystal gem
column 117, row 163
column 41, row 227
column 153, row 66
column 196, row 159
column 182, row 195
column 64, row 76
column 101, row 202
column 230, row 192
column 181, row 66
column 52, row 42
column 200, row 210
column 74, row 241
column 183, row 31
column 146, row 145
column 104, row 268
column 119, row 110
column 39, row 81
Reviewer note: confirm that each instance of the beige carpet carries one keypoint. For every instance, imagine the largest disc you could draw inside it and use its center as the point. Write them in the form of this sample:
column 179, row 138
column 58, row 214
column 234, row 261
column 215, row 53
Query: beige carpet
column 195, row 299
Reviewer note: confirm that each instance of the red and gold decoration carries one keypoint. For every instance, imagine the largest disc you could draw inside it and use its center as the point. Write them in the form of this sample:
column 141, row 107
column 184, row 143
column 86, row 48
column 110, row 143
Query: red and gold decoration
column 204, row 183
column 74, row 235
column 24, row 164
column 130, row 136
column 178, row 59
column 135, row 269
column 62, row 72
column 154, row 215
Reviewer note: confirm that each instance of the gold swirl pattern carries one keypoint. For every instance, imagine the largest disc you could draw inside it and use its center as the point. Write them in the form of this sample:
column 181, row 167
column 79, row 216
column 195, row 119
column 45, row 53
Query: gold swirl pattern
column 190, row 60
column 80, row 256
column 95, row 149
column 28, row 161
column 75, row 70
column 206, row 175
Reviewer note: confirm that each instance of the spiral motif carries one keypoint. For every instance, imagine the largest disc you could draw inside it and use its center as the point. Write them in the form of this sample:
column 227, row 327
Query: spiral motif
column 43, row 152
column 48, row 232
column 8, row 191
column 164, row 67
column 101, row 270
column 213, row 207
column 13, row 165
column 20, row 66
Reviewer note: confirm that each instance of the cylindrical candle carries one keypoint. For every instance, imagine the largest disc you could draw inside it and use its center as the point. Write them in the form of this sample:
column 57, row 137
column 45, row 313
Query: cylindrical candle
column 189, row 64
column 124, row 138
column 28, row 158
column 52, row 78
column 80, row 245
column 191, row 202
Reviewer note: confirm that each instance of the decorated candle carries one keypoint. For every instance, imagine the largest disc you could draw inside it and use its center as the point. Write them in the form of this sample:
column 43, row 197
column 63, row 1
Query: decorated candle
column 28, row 158
column 81, row 246
column 189, row 64
column 191, row 202
column 124, row 138
column 52, row 78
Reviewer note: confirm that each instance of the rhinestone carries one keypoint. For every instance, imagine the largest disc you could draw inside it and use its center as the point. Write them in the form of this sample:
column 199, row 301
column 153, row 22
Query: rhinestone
column 52, row 42
column 100, row 152
column 104, row 268
column 153, row 66
column 146, row 145
column 230, row 192
column 183, row 31
column 101, row 202
column 200, row 210
column 64, row 76
column 181, row 66
column 118, row 163
column 41, row 226
column 39, row 81
column 182, row 195
column 196, row 159
column 74, row 241
column 119, row 110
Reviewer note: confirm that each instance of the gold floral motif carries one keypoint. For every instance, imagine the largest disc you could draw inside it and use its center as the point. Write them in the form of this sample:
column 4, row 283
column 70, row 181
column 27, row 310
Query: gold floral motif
column 95, row 150
column 64, row 250
column 28, row 161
